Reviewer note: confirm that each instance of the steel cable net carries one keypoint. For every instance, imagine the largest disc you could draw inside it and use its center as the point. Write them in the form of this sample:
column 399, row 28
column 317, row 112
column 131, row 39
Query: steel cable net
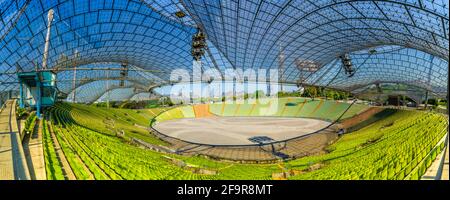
column 142, row 96
column 10, row 11
column 103, row 71
column 382, row 91
column 256, row 33
column 151, row 35
column 172, row 9
column 388, row 64
column 92, row 32
column 94, row 91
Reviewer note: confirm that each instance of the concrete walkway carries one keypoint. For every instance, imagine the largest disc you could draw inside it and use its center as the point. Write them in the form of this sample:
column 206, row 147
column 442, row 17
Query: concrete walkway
column 13, row 165
column 35, row 153
column 445, row 169
column 439, row 168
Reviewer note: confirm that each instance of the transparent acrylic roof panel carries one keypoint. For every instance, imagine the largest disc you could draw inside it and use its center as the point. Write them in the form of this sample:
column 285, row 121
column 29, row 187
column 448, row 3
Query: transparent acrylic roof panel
column 93, row 91
column 101, row 31
column 119, row 94
column 141, row 96
column 169, row 8
column 144, row 78
column 371, row 92
column 101, row 71
column 256, row 33
column 389, row 64
column 10, row 12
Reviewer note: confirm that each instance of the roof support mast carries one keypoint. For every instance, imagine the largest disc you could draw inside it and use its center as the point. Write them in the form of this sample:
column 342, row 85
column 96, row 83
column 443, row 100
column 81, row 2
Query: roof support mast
column 44, row 64
column 74, row 83
column 429, row 80
column 47, row 38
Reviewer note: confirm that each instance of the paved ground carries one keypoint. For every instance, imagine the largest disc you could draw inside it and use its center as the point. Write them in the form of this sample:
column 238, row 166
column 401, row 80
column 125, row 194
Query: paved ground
column 432, row 172
column 237, row 130
column 6, row 160
column 445, row 169
column 12, row 159
column 35, row 154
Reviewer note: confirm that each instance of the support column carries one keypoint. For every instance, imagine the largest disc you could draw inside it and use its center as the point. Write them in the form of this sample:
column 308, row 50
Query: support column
column 38, row 97
column 21, row 96
column 429, row 79
column 107, row 88
column 446, row 98
column 74, row 83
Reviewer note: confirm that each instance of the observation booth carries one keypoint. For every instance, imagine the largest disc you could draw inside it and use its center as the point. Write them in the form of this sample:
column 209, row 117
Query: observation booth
column 37, row 90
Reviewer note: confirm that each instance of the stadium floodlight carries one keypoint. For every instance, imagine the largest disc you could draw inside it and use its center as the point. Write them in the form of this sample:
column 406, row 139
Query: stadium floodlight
column 123, row 74
column 347, row 64
column 380, row 91
column 373, row 51
column 180, row 14
column 198, row 45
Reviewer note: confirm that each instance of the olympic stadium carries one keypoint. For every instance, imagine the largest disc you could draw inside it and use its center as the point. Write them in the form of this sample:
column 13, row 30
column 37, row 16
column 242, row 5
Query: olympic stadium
column 229, row 89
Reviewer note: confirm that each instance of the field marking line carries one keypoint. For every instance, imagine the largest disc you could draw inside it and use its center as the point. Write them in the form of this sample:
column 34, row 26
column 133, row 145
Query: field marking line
column 226, row 167
column 284, row 108
column 223, row 108
column 154, row 115
column 317, row 108
column 333, row 107
column 237, row 109
column 301, row 107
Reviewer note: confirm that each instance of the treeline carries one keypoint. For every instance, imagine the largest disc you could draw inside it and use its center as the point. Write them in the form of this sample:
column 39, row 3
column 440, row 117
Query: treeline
column 314, row 92
column 309, row 91
column 136, row 104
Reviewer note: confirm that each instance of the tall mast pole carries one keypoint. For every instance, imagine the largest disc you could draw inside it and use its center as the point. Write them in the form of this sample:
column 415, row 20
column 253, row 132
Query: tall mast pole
column 74, row 77
column 107, row 89
column 47, row 38
column 280, row 67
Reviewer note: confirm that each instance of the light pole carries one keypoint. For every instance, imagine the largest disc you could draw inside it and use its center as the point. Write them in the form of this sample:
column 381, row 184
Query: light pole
column 74, row 76
column 47, row 38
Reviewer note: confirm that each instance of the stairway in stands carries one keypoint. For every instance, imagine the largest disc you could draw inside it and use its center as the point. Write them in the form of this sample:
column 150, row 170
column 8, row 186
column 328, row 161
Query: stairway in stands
column 202, row 110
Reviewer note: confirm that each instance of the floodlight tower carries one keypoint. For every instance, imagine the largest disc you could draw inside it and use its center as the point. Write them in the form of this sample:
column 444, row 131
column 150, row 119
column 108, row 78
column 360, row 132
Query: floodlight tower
column 123, row 74
column 74, row 76
column 281, row 58
column 47, row 38
column 347, row 64
column 107, row 88
column 198, row 51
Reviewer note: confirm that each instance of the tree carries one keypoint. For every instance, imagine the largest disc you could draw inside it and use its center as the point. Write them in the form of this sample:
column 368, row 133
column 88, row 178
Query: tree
column 337, row 96
column 259, row 94
column 330, row 94
column 311, row 91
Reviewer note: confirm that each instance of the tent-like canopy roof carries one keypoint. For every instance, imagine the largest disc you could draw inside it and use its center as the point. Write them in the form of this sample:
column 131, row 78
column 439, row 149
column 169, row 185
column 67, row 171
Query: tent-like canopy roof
column 394, row 41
